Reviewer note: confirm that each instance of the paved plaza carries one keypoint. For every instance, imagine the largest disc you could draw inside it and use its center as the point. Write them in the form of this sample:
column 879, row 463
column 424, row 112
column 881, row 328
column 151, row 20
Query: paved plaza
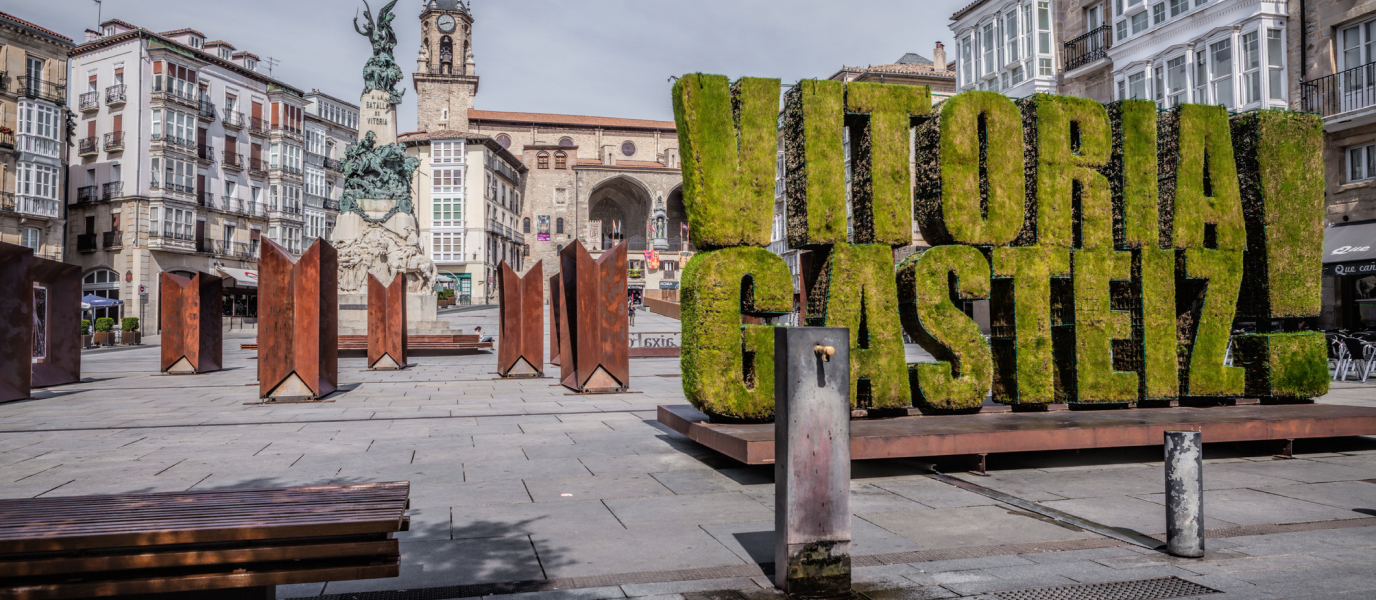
column 518, row 487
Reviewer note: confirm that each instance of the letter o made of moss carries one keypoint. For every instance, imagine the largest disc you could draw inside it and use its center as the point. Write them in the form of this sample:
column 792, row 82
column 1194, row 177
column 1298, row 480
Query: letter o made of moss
column 728, row 140
column 965, row 370
column 880, row 117
column 728, row 368
column 973, row 133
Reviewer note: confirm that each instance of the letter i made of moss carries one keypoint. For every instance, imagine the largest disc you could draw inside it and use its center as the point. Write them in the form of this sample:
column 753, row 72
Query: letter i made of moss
column 728, row 368
column 861, row 295
column 1131, row 173
column 1068, row 199
column 1020, row 309
column 815, row 163
column 1103, row 327
column 1153, row 323
column 1280, row 170
column 1284, row 366
column 880, row 117
column 1200, row 203
column 728, row 136
column 969, row 176
column 927, row 284
column 1206, row 301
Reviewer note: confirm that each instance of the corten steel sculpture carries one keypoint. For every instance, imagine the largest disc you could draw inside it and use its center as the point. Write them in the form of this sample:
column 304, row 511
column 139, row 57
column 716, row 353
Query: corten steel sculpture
column 556, row 319
column 595, row 338
column 521, row 332
column 298, row 335
column 56, row 323
column 192, row 326
column 16, row 322
column 387, row 324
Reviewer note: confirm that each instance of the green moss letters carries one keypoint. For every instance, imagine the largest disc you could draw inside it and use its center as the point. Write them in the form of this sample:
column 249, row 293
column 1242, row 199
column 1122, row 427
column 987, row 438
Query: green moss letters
column 1098, row 325
column 965, row 371
column 815, row 160
column 860, row 295
column 1284, row 366
column 1020, row 307
column 880, row 116
column 1132, row 173
column 969, row 176
column 1199, row 179
column 1154, row 323
column 1069, row 143
column 1212, row 313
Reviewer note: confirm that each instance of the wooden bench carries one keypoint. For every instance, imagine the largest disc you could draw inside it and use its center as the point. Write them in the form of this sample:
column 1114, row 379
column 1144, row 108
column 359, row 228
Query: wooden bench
column 231, row 543
column 413, row 342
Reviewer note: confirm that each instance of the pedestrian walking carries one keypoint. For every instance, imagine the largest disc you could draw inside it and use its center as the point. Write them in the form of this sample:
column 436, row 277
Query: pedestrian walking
column 630, row 305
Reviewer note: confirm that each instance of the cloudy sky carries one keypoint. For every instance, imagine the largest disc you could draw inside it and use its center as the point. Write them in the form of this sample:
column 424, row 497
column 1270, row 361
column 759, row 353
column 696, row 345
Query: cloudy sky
column 591, row 57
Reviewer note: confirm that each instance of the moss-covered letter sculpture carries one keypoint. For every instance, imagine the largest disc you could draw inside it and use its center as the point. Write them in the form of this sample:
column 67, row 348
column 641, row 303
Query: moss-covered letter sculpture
column 966, row 370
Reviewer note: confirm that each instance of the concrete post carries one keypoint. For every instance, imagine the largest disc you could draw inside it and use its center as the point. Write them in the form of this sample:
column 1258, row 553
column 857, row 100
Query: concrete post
column 1185, row 493
column 812, row 461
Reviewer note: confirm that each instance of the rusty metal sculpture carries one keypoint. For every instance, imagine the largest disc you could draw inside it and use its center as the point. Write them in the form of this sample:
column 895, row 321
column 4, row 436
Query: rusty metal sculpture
column 298, row 328
column 595, row 335
column 557, row 318
column 387, row 324
column 521, row 331
column 56, row 322
column 192, row 326
column 16, row 322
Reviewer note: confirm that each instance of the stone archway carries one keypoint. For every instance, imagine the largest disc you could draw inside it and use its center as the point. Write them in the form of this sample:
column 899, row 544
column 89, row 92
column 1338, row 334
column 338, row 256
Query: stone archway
column 677, row 215
column 624, row 200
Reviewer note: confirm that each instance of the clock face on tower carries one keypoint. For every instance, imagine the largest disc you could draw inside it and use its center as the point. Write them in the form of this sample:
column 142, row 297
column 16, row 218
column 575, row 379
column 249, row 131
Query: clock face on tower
column 446, row 23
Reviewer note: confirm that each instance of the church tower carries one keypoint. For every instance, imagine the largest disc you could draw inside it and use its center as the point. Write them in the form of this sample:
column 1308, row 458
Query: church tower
column 445, row 78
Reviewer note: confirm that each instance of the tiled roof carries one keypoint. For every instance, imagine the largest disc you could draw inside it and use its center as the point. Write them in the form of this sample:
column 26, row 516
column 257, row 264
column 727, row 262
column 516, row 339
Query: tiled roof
column 967, row 8
column 220, row 43
column 906, row 69
column 22, row 22
column 246, row 53
column 124, row 24
column 443, row 134
column 574, row 120
column 181, row 31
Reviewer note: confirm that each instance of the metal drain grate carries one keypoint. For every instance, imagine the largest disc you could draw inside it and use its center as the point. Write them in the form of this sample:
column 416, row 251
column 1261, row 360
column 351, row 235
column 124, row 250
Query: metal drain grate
column 1139, row 589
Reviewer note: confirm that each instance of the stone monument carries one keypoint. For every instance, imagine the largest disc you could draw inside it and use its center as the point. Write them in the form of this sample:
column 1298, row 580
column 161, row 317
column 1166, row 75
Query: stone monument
column 376, row 232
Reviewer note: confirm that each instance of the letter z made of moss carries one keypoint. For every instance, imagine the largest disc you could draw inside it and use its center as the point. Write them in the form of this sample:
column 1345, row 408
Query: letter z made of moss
column 1098, row 325
column 969, row 175
column 861, row 295
column 1068, row 143
column 728, row 368
column 728, row 135
column 815, row 163
column 880, row 116
column 1154, row 325
column 1020, row 307
column 965, row 369
column 1212, row 315
column 1200, row 202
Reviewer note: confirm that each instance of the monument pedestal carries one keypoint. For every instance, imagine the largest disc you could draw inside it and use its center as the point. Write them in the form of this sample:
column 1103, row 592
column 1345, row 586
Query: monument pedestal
column 385, row 249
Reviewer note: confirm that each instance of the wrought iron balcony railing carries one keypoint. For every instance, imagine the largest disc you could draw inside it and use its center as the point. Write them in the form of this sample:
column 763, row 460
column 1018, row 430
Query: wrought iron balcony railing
column 42, row 90
column 205, row 152
column 233, row 160
column 114, row 141
column 232, row 118
column 257, row 125
column 113, row 239
column 114, row 189
column 334, row 165
column 1088, row 48
column 1341, row 92
column 86, row 242
column 87, row 145
column 88, row 101
column 38, row 207
column 257, row 167
column 114, row 94
column 88, row 193
column 205, row 199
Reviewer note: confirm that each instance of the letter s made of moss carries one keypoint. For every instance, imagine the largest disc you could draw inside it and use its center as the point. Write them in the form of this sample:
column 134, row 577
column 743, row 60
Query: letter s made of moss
column 969, row 176
column 728, row 136
column 880, row 117
column 965, row 370
column 728, row 368
column 860, row 295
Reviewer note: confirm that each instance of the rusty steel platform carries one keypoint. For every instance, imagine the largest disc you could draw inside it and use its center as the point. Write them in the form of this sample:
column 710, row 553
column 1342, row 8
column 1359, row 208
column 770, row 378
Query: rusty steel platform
column 991, row 433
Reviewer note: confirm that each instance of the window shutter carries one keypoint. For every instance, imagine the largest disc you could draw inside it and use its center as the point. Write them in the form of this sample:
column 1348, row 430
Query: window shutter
column 119, row 123
column 254, row 234
column 90, row 129
column 157, row 68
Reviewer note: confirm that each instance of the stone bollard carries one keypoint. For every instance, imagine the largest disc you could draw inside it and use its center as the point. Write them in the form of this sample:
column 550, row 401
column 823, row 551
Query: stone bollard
column 1185, row 493
column 812, row 461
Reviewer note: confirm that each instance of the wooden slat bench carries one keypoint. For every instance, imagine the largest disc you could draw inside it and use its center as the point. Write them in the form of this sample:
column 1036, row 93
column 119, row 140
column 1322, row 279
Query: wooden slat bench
column 232, row 543
column 413, row 342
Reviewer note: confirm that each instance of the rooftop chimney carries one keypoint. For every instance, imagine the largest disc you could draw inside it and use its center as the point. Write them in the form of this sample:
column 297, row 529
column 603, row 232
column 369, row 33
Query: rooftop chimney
column 939, row 57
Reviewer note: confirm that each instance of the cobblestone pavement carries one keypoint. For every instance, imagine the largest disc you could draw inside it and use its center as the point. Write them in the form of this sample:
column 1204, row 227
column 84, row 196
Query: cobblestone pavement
column 515, row 481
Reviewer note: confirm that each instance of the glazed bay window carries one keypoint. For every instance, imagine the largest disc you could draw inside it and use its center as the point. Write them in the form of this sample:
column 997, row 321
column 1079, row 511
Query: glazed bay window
column 1175, row 81
column 1251, row 67
column 1137, row 86
column 1221, row 61
column 1158, row 13
column 172, row 174
column 998, row 43
column 1139, row 22
column 1120, row 30
column 446, row 195
column 1361, row 163
column 1178, row 7
column 450, row 152
column 446, row 246
column 170, row 222
column 1044, row 27
column 1275, row 64
column 1010, row 30
column 38, row 128
column 1159, row 86
column 988, row 49
column 966, row 67
column 1201, row 76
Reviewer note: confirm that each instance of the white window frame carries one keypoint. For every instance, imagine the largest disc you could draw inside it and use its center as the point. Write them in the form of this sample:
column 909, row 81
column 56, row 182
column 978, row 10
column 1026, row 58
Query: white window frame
column 1361, row 162
column 1221, row 83
column 1250, row 62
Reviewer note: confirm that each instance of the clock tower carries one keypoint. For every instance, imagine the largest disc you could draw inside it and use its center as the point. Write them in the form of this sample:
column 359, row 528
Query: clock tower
column 446, row 80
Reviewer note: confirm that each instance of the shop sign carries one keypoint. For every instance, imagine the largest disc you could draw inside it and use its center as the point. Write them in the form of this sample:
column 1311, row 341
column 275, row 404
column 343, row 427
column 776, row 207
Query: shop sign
column 1350, row 268
column 668, row 285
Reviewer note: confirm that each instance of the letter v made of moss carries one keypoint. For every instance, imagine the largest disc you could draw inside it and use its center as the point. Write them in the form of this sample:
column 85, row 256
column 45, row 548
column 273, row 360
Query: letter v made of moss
column 861, row 295
column 728, row 368
column 969, row 175
column 815, row 163
column 1068, row 143
column 880, row 116
column 729, row 138
column 964, row 373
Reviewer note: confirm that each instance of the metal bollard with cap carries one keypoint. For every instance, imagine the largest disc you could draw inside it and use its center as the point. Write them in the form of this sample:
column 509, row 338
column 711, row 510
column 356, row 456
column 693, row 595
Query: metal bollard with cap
column 812, row 461
column 1185, row 493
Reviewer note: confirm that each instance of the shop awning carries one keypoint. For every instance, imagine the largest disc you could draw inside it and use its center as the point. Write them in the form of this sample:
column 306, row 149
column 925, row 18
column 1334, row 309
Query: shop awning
column 93, row 301
column 1350, row 249
column 241, row 277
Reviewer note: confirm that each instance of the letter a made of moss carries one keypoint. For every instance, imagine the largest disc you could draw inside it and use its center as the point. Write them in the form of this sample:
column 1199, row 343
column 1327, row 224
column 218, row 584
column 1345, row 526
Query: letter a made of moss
column 969, row 175
column 1284, row 366
column 880, row 116
column 1098, row 325
column 1154, row 324
column 728, row 136
column 1280, row 168
column 815, row 163
column 1020, row 306
column 1212, row 314
column 728, row 368
column 965, row 372
column 1068, row 142
column 861, row 296
column 1200, row 203
column 1132, row 173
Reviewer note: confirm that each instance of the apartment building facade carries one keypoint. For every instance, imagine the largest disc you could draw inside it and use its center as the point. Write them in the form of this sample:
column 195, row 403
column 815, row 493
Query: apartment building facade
column 1006, row 46
column 187, row 157
column 331, row 125
column 33, row 135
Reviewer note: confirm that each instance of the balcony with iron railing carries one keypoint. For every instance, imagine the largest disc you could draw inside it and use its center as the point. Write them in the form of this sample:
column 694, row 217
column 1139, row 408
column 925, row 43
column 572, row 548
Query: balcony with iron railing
column 172, row 239
column 257, row 167
column 170, row 187
column 6, row 140
column 4, row 81
column 87, row 146
column 1343, row 93
column 232, row 118
column 163, row 138
column 284, row 168
column 233, row 160
column 41, row 90
column 115, row 94
column 88, row 101
column 1088, row 48
column 205, row 199
column 89, row 193
column 206, row 110
column 112, row 190
column 331, row 205
column 112, row 239
column 226, row 249
column 173, row 95
column 86, row 243
column 205, row 153
column 37, row 207
column 257, row 126
column 114, row 141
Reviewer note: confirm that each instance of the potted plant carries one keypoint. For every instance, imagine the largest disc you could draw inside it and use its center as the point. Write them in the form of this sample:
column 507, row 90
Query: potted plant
column 103, row 335
column 85, row 333
column 129, row 332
